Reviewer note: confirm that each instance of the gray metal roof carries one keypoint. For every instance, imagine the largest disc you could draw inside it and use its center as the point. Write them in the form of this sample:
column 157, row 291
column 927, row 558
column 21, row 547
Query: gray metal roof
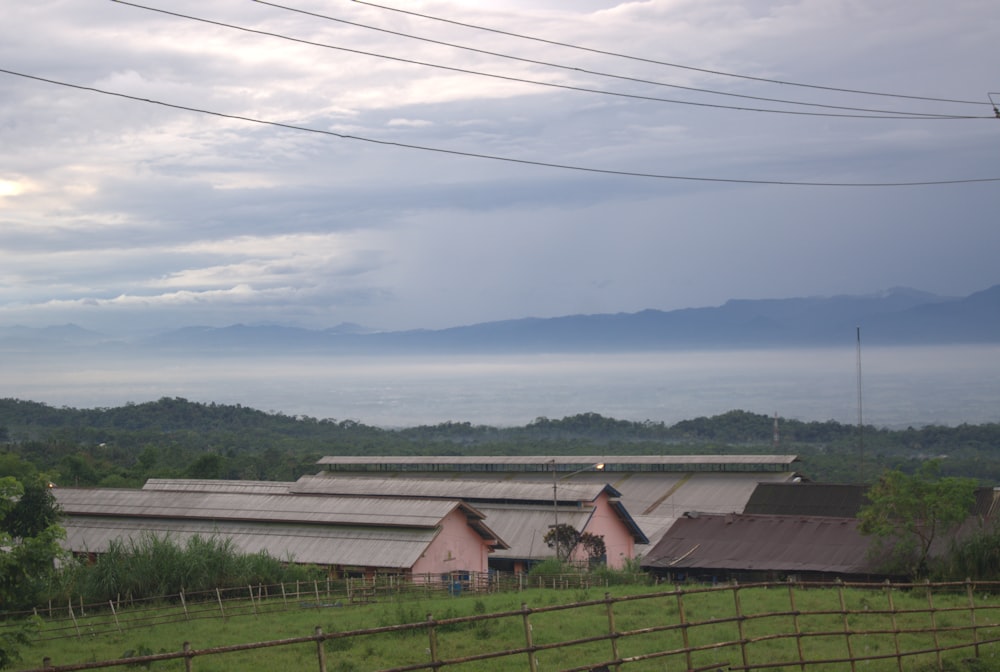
column 654, row 500
column 740, row 542
column 523, row 527
column 473, row 487
column 377, row 511
column 397, row 548
column 561, row 462
column 217, row 485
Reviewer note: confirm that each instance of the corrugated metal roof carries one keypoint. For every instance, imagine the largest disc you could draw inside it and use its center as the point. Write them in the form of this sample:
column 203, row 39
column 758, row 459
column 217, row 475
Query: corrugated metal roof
column 375, row 511
column 469, row 489
column 397, row 548
column 811, row 499
column 217, row 485
column 763, row 543
column 523, row 527
column 561, row 462
column 653, row 499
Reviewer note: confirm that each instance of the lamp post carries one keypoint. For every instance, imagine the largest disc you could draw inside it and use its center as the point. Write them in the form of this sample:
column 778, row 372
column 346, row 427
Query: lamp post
column 555, row 497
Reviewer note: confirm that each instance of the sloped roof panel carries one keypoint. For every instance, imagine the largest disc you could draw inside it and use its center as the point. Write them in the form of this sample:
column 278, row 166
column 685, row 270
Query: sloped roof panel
column 763, row 543
column 469, row 489
column 217, row 485
column 524, row 527
column 318, row 509
column 561, row 462
column 813, row 499
column 398, row 548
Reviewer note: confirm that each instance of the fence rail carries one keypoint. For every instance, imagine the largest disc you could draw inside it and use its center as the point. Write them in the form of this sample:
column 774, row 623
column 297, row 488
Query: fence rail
column 124, row 613
column 735, row 627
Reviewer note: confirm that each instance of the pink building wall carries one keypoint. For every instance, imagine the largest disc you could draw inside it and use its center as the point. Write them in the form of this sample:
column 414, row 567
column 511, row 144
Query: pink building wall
column 617, row 539
column 457, row 547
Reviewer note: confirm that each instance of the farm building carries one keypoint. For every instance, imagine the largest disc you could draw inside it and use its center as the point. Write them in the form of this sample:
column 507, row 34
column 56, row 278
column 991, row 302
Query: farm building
column 655, row 489
column 350, row 535
column 807, row 531
column 808, row 499
column 520, row 513
column 750, row 547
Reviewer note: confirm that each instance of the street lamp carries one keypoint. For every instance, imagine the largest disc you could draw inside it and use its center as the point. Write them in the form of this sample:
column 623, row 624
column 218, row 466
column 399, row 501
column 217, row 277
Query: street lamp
column 555, row 497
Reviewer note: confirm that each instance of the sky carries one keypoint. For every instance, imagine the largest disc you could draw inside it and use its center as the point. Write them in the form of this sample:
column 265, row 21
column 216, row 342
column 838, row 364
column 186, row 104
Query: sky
column 317, row 163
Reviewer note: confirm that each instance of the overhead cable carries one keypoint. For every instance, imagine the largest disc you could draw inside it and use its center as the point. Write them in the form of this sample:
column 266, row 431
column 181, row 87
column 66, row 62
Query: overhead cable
column 567, row 87
column 490, row 157
column 663, row 63
column 598, row 73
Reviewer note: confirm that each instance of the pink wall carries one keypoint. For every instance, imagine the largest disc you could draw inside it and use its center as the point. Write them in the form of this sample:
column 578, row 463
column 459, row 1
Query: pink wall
column 617, row 538
column 457, row 547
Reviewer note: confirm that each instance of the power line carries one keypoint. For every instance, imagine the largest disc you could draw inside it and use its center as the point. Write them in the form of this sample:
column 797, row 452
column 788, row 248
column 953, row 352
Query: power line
column 663, row 63
column 491, row 157
column 575, row 69
column 509, row 78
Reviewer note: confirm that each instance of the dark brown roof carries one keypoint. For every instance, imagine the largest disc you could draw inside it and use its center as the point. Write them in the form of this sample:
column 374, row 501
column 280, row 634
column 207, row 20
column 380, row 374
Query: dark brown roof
column 741, row 542
column 809, row 499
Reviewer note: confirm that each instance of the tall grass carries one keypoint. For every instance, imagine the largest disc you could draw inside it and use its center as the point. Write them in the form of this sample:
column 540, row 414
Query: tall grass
column 152, row 565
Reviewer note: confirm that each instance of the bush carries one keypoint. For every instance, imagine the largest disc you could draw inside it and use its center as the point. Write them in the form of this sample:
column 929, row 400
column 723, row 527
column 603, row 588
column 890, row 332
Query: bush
column 152, row 566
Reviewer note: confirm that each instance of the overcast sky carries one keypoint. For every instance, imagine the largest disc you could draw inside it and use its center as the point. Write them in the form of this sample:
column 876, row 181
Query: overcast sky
column 118, row 214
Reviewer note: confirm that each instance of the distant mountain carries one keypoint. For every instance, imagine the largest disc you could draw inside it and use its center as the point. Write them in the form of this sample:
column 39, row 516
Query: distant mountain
column 899, row 316
column 60, row 335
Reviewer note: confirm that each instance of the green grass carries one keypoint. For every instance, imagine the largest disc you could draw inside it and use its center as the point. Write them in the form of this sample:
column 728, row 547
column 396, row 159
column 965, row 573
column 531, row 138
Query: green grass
column 711, row 613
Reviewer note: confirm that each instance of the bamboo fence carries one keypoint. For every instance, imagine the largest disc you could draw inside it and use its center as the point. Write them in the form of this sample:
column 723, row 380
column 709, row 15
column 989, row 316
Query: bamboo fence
column 881, row 626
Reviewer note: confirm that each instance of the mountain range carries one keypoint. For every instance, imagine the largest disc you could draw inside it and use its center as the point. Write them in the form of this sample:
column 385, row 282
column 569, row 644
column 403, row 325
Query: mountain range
column 899, row 316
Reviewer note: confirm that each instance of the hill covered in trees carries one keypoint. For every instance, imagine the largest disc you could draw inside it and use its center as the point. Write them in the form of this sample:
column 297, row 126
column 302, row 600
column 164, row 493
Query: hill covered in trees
column 173, row 437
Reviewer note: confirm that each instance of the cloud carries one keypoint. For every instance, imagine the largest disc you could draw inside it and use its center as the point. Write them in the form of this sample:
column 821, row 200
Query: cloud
column 117, row 208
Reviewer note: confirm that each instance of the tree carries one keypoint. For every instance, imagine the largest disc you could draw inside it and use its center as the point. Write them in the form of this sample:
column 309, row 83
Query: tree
column 29, row 545
column 910, row 512
column 563, row 538
column 595, row 547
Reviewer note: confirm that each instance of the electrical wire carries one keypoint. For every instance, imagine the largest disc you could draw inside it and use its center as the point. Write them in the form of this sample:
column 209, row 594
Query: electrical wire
column 491, row 157
column 663, row 63
column 509, row 78
column 575, row 69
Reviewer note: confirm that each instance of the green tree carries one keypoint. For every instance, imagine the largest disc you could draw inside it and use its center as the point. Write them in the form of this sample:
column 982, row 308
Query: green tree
column 908, row 513
column 29, row 545
column 593, row 544
column 563, row 538
column 209, row 465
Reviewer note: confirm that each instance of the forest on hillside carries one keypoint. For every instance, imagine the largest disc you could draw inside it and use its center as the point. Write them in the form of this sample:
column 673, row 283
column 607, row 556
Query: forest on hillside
column 174, row 437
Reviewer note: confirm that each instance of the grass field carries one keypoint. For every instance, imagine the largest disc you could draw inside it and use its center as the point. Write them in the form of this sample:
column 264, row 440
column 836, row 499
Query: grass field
column 718, row 619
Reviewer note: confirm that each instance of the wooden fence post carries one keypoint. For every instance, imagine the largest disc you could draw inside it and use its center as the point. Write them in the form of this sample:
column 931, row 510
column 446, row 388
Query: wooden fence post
column 218, row 596
column 187, row 617
column 115, row 614
column 685, row 635
column 934, row 628
column 252, row 603
column 612, row 631
column 73, row 616
column 432, row 638
column 188, row 658
column 320, row 649
column 529, row 642
column 284, row 596
column 796, row 623
column 847, row 625
column 895, row 626
column 972, row 615
column 740, row 626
